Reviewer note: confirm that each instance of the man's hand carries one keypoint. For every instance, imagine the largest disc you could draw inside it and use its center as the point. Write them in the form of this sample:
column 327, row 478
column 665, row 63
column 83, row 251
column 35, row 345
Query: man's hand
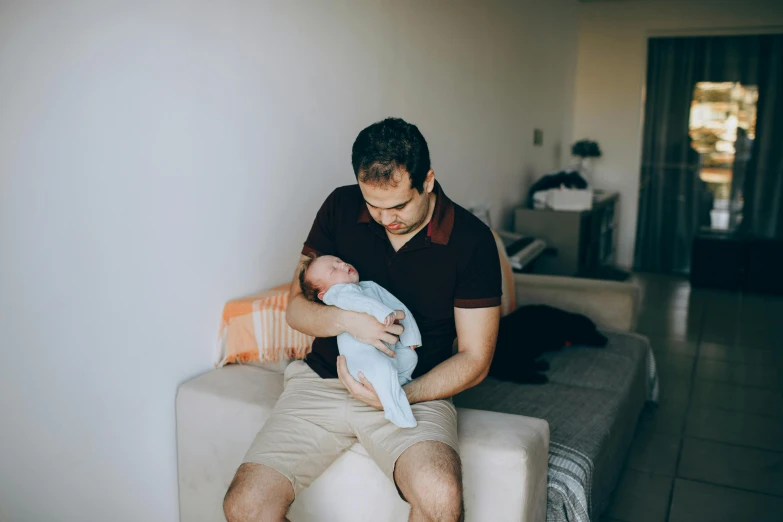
column 366, row 329
column 363, row 390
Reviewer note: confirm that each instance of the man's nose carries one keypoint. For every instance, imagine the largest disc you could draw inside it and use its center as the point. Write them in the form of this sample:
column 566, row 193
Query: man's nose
column 387, row 218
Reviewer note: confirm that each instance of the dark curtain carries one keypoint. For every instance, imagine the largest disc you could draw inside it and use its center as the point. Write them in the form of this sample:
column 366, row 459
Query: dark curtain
column 763, row 212
column 673, row 201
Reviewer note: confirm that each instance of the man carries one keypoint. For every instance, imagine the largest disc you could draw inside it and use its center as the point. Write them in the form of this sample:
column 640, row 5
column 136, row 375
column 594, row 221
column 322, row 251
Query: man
column 399, row 229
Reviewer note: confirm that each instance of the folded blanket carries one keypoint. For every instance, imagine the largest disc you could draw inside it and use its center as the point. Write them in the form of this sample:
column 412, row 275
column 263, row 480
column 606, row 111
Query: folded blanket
column 254, row 328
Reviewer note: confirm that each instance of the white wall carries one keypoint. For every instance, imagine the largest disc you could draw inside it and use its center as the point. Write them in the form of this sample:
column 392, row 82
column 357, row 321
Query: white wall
column 156, row 161
column 611, row 75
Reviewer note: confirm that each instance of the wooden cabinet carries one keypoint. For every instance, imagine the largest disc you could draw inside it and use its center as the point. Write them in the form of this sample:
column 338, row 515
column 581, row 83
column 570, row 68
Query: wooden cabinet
column 731, row 261
column 583, row 242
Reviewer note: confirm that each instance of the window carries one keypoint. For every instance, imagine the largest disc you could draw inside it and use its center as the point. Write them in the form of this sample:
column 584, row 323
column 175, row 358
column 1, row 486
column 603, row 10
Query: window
column 722, row 128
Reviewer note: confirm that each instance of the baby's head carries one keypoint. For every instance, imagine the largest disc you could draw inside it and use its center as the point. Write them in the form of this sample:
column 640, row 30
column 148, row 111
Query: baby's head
column 319, row 274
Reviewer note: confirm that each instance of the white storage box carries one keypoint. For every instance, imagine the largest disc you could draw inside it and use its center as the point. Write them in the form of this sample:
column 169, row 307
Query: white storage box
column 565, row 199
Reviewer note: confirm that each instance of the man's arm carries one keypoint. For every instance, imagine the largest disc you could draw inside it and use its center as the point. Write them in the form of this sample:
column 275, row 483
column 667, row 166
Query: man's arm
column 319, row 320
column 477, row 332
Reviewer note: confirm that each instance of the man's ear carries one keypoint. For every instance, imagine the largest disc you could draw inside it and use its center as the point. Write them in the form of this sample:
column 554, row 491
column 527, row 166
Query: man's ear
column 321, row 295
column 429, row 181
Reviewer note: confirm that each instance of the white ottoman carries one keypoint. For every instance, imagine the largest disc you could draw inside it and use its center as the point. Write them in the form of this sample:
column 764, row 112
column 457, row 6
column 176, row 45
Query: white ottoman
column 504, row 458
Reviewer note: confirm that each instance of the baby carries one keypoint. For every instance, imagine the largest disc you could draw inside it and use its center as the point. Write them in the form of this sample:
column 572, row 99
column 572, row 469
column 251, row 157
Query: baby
column 335, row 282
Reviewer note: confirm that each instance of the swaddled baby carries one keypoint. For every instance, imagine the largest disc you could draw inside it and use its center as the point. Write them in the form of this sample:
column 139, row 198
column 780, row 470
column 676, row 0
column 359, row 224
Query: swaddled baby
column 336, row 283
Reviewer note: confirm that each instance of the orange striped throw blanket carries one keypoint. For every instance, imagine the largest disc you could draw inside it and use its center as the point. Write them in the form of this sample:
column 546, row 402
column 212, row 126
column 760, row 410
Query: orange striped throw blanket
column 254, row 329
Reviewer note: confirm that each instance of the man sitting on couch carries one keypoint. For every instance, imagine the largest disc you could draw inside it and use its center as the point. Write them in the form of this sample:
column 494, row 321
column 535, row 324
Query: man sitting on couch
column 398, row 228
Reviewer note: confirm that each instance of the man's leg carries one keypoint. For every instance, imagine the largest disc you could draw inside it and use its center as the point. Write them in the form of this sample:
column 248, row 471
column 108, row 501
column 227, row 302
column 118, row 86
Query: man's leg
column 429, row 475
column 422, row 461
column 304, row 435
column 257, row 493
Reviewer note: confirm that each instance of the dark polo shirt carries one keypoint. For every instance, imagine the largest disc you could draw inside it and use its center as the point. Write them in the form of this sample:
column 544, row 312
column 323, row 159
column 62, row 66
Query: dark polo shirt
column 452, row 262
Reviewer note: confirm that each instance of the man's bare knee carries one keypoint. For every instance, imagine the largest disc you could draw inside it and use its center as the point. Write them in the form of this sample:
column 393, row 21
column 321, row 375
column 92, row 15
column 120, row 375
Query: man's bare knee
column 257, row 493
column 429, row 474
column 445, row 479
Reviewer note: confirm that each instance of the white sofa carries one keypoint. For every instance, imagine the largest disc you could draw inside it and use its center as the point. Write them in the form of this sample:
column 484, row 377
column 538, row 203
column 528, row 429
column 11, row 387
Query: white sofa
column 219, row 413
column 504, row 456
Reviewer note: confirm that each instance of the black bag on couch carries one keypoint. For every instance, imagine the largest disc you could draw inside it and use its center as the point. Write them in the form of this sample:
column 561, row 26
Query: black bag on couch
column 529, row 331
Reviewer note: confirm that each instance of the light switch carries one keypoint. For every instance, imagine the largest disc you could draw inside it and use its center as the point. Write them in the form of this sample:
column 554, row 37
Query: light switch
column 538, row 137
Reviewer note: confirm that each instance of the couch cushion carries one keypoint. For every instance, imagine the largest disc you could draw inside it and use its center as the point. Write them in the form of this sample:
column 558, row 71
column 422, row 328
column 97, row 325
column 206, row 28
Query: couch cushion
column 219, row 413
column 596, row 368
column 592, row 402
column 508, row 301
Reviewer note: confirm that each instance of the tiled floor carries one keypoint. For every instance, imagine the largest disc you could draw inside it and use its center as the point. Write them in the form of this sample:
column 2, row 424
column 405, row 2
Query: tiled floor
column 712, row 451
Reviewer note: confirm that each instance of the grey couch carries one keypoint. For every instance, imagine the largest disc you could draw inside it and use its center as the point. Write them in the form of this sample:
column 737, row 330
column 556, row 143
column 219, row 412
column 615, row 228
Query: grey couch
column 594, row 396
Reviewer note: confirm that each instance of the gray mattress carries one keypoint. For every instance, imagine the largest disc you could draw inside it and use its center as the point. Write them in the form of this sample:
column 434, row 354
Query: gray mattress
column 592, row 403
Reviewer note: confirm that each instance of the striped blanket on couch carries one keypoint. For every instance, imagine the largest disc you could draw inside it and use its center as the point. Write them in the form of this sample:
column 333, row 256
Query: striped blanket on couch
column 592, row 403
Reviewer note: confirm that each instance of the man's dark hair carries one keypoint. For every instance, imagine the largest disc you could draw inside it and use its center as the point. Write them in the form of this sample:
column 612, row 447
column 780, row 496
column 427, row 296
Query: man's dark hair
column 384, row 147
column 309, row 290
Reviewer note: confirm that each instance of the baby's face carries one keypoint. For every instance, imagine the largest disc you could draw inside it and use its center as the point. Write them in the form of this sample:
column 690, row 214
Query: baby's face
column 327, row 271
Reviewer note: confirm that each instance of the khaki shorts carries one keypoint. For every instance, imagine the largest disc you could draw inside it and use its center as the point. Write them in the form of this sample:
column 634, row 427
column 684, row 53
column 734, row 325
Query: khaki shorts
column 315, row 420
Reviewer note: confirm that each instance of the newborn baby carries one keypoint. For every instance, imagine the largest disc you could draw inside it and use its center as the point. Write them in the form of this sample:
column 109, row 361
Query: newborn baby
column 335, row 282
